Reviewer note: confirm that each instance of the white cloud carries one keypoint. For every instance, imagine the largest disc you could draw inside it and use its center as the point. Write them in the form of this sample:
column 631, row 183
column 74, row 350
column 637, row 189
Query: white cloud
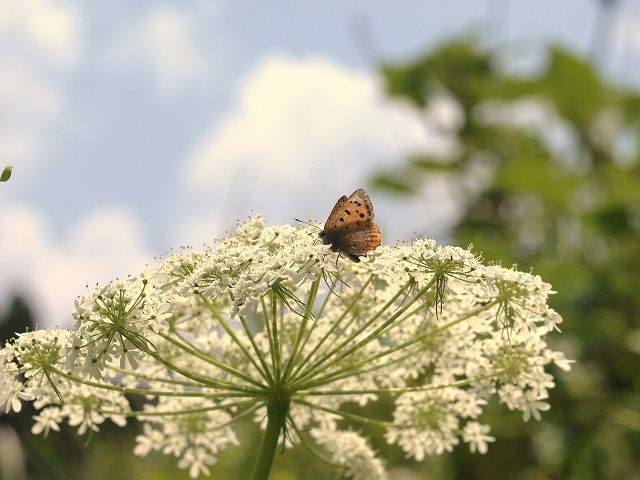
column 301, row 133
column 49, row 29
column 29, row 105
column 297, row 116
column 625, row 31
column 623, row 40
column 164, row 43
column 52, row 272
column 39, row 41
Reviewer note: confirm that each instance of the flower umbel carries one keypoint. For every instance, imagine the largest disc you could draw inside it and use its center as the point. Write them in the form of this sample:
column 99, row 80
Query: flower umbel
column 268, row 325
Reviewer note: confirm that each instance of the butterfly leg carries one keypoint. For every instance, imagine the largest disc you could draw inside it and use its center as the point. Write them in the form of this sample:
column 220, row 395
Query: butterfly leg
column 355, row 258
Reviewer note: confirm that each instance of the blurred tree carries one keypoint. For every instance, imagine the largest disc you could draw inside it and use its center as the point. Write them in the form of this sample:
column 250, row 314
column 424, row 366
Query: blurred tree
column 547, row 171
column 17, row 319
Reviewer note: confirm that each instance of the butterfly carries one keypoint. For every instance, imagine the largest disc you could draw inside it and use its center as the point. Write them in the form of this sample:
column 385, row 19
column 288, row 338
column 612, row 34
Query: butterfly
column 350, row 229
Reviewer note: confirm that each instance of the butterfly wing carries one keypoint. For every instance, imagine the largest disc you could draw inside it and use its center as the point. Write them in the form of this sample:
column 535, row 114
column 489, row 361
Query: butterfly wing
column 361, row 204
column 333, row 221
column 350, row 228
column 350, row 212
column 359, row 242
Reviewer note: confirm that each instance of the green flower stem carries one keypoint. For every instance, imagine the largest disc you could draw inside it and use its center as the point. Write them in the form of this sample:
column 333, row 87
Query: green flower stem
column 53, row 385
column 230, row 332
column 281, row 326
column 238, row 417
column 421, row 307
column 328, row 296
column 373, row 335
column 305, row 319
column 142, row 391
column 277, row 410
column 265, row 368
column 309, row 446
column 174, row 413
column 354, row 368
column 267, row 328
column 335, row 325
column 274, row 331
column 151, row 378
column 265, row 372
column 353, row 371
column 348, row 416
column 205, row 358
column 397, row 391
column 171, row 283
column 206, row 381
column 318, row 365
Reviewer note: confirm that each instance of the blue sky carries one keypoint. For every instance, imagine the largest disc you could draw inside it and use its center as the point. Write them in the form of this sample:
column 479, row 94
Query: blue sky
column 134, row 127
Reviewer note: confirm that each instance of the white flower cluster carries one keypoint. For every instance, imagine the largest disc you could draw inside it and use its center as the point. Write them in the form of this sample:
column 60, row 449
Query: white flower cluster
column 32, row 370
column 194, row 435
column 351, row 451
column 269, row 320
column 111, row 323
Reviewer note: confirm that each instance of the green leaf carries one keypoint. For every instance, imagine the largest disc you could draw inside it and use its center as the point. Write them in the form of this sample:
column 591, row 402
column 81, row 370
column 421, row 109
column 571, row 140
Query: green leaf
column 574, row 86
column 536, row 175
column 428, row 162
column 458, row 66
column 392, row 184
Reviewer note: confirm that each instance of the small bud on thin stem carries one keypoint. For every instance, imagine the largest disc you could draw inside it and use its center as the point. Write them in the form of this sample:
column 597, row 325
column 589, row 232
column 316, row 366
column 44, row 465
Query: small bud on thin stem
column 6, row 173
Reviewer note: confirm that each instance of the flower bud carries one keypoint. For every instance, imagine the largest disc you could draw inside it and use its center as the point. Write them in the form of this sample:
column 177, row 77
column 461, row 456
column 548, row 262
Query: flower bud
column 6, row 173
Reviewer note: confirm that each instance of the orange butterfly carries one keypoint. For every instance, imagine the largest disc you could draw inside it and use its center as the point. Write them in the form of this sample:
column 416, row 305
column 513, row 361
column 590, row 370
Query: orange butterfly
column 350, row 228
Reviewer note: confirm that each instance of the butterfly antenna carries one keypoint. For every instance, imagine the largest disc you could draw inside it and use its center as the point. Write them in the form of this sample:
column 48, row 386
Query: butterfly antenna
column 307, row 223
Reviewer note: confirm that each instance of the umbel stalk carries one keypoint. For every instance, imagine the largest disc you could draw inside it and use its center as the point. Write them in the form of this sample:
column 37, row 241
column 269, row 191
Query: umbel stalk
column 277, row 410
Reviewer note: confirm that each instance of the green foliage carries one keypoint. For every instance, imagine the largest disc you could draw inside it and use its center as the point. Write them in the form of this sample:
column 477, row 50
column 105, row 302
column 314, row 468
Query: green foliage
column 573, row 215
